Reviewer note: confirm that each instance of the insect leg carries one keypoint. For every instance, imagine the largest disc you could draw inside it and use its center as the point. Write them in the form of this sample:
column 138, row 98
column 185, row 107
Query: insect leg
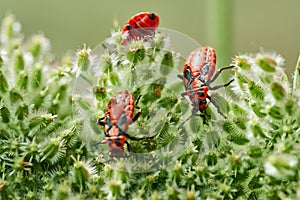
column 219, row 72
column 140, row 110
column 216, row 105
column 219, row 86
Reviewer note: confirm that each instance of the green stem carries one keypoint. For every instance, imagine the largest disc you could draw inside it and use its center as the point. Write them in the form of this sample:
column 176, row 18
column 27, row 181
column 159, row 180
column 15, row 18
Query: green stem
column 296, row 80
column 219, row 29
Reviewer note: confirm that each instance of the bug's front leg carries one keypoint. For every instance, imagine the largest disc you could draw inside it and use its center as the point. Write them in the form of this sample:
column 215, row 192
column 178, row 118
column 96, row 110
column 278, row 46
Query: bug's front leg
column 219, row 72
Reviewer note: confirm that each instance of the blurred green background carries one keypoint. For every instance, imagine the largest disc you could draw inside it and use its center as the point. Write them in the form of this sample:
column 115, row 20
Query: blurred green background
column 247, row 26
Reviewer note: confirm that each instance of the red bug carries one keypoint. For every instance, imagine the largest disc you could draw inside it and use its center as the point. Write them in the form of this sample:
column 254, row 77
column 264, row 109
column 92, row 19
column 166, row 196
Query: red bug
column 118, row 116
column 198, row 74
column 141, row 25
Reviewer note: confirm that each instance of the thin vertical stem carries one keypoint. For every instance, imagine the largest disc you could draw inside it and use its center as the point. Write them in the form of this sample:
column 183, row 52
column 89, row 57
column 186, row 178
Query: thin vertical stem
column 219, row 29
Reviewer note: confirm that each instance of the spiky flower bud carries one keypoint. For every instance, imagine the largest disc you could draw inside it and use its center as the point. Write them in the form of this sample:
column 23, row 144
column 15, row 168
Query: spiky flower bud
column 278, row 91
column 63, row 192
column 3, row 83
column 258, row 109
column 256, row 91
column 5, row 114
column 100, row 93
column 83, row 61
column 243, row 62
column 266, row 63
column 22, row 111
column 281, row 166
column 36, row 77
column 38, row 45
column 136, row 52
column 22, row 81
column 19, row 63
column 53, row 150
column 166, row 63
column 256, row 129
column 275, row 112
column 10, row 29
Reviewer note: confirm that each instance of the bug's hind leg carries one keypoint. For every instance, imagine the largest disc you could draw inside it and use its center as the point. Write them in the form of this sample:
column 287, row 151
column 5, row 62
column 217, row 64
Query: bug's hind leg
column 216, row 105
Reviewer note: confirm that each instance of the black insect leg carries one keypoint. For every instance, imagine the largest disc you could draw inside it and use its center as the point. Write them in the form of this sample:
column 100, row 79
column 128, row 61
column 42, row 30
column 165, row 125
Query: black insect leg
column 138, row 138
column 219, row 86
column 140, row 110
column 100, row 121
column 219, row 72
column 217, row 106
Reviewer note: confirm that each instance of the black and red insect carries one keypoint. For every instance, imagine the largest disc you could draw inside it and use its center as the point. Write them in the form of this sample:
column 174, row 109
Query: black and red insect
column 118, row 116
column 141, row 25
column 198, row 74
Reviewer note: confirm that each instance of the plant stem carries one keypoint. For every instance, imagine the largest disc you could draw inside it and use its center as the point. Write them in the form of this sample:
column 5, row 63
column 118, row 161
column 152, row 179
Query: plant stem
column 219, row 29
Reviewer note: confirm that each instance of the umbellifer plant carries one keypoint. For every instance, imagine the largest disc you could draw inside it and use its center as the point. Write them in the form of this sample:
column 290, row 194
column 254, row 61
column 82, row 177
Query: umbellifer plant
column 46, row 152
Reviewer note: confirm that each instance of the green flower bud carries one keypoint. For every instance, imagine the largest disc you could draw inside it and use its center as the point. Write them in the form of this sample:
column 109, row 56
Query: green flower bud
column 241, row 80
column 234, row 133
column 15, row 96
column 158, row 41
column 83, row 61
column 3, row 83
column 257, row 130
column 267, row 64
column 83, row 103
column 281, row 166
column 22, row 111
column 290, row 107
column 36, row 77
column 275, row 112
column 1, row 61
column 243, row 62
column 41, row 120
column 54, row 150
column 10, row 28
column 238, row 110
column 211, row 158
column 114, row 78
column 5, row 114
column 106, row 63
column 100, row 93
column 278, row 91
column 254, row 151
column 258, row 109
column 19, row 63
column 136, row 52
column 256, row 91
column 38, row 44
column 116, row 25
column 22, row 80
column 62, row 192
column 81, row 173
column 166, row 63
column 115, row 188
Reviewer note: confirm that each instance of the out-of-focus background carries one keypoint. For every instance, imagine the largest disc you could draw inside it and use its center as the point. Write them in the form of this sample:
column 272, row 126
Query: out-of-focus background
column 244, row 26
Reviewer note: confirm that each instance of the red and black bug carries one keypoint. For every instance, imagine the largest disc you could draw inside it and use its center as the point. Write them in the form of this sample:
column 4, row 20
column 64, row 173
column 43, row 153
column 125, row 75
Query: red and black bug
column 141, row 25
column 118, row 116
column 198, row 74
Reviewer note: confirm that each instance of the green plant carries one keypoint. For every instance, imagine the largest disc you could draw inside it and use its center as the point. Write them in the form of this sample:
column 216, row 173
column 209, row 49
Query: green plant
column 46, row 152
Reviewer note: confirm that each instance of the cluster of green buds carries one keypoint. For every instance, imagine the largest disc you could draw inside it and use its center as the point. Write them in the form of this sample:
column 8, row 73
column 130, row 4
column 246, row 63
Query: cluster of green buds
column 37, row 131
column 46, row 153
